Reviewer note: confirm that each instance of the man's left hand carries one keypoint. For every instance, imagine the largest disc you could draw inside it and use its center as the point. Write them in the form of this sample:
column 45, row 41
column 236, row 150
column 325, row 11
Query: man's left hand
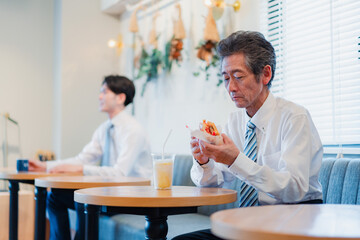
column 67, row 168
column 225, row 153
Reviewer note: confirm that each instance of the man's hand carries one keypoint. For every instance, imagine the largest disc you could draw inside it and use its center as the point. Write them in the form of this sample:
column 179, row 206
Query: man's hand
column 225, row 153
column 67, row 168
column 37, row 166
column 196, row 152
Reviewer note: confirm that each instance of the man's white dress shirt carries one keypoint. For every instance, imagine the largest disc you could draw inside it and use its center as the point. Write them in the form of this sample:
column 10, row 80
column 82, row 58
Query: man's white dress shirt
column 288, row 160
column 129, row 150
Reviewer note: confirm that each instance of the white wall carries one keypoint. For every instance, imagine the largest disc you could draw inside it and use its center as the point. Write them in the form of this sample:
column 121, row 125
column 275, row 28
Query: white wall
column 179, row 98
column 54, row 56
column 26, row 57
column 82, row 63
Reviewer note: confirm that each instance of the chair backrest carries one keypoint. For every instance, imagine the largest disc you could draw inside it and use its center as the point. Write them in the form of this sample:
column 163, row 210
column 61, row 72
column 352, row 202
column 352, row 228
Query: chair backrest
column 340, row 180
column 181, row 177
column 208, row 210
column 182, row 166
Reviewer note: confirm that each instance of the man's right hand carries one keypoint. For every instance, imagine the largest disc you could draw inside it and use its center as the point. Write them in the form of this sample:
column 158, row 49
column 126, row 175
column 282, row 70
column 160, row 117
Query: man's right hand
column 37, row 166
column 196, row 152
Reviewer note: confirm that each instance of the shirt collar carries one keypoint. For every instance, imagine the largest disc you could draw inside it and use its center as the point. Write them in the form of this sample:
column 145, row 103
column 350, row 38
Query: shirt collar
column 117, row 118
column 262, row 116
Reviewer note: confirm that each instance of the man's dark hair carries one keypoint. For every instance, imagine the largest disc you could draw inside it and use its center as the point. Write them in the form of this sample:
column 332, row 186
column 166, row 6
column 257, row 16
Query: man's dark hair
column 257, row 50
column 120, row 84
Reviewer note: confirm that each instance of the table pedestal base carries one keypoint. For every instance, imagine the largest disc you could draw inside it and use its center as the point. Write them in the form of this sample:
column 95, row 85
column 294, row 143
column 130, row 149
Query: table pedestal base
column 156, row 226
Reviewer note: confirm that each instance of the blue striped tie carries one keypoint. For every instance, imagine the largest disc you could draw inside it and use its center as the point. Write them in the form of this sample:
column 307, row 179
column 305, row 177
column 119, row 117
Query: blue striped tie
column 248, row 194
column 106, row 154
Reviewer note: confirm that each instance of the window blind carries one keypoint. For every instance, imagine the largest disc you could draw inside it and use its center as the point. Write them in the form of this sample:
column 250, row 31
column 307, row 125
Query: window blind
column 317, row 45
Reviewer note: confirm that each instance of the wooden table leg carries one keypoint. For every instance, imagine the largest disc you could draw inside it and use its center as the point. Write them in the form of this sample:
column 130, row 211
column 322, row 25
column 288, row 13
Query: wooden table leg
column 14, row 209
column 79, row 207
column 40, row 213
column 92, row 213
column 156, row 227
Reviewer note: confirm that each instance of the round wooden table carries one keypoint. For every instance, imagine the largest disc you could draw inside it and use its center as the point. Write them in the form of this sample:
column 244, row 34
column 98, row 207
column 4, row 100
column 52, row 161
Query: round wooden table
column 12, row 174
column 73, row 183
column 288, row 222
column 14, row 177
column 79, row 182
column 156, row 205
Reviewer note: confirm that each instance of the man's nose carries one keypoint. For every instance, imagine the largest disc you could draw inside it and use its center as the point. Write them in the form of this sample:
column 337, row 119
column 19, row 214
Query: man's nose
column 232, row 86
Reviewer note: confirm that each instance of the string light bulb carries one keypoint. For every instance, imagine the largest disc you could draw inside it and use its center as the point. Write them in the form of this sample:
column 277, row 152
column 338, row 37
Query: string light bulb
column 111, row 43
column 208, row 3
column 118, row 44
column 236, row 5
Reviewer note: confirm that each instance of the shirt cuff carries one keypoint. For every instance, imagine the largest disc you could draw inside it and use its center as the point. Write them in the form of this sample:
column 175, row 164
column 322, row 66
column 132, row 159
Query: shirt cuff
column 242, row 167
column 51, row 164
column 90, row 169
column 209, row 164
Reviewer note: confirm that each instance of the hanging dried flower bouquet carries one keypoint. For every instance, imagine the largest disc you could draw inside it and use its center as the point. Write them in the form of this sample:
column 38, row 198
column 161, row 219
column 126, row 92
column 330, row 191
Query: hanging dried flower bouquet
column 206, row 50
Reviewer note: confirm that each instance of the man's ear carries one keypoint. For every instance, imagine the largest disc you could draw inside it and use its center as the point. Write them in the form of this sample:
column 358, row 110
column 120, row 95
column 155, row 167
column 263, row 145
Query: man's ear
column 121, row 98
column 267, row 74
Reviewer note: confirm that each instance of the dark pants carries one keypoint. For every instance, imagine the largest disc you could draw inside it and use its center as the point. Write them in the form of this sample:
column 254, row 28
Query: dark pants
column 206, row 233
column 58, row 203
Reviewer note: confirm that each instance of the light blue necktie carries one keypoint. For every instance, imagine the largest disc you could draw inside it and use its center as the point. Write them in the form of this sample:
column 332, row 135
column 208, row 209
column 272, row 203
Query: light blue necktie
column 248, row 194
column 106, row 154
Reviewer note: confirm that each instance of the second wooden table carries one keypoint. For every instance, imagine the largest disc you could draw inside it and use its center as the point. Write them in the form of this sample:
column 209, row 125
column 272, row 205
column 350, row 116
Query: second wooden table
column 156, row 205
column 14, row 177
column 73, row 183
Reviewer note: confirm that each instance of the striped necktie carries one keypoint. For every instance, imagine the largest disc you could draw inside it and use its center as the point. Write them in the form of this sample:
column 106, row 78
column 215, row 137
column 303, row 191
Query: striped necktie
column 106, row 154
column 248, row 194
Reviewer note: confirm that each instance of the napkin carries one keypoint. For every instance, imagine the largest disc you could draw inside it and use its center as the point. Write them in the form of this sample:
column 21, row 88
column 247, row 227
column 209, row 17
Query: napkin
column 217, row 140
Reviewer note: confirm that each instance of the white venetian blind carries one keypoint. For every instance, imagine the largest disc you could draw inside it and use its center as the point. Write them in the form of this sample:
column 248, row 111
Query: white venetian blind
column 317, row 45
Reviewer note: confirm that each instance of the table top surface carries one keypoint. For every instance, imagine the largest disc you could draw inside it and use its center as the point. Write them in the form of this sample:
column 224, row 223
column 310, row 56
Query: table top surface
column 12, row 174
column 290, row 222
column 147, row 196
column 78, row 182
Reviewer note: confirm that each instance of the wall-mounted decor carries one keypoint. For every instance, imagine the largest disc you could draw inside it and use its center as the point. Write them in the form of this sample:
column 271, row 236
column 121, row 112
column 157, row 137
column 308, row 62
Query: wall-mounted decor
column 149, row 63
column 118, row 44
column 206, row 50
column 152, row 58
column 174, row 46
column 218, row 7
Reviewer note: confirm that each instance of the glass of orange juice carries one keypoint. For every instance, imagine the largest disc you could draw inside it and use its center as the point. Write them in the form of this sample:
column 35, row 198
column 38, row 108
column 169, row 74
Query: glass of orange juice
column 163, row 170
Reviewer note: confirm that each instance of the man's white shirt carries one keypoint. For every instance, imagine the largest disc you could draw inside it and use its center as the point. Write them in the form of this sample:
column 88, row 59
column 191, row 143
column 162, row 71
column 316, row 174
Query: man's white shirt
column 288, row 159
column 129, row 152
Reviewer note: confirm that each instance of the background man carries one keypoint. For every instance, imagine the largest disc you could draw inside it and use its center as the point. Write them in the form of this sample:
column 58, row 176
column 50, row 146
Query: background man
column 119, row 147
column 271, row 144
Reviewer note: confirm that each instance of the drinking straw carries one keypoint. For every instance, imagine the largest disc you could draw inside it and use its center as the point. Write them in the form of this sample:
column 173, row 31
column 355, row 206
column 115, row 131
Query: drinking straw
column 165, row 143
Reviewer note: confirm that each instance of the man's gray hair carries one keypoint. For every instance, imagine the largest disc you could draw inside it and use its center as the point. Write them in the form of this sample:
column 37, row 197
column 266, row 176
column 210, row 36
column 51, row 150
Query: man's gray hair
column 257, row 50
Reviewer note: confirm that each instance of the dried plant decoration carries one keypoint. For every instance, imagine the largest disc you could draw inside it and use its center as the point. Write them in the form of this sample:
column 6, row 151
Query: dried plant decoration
column 179, row 29
column 174, row 46
column 207, row 47
column 153, row 38
column 134, row 27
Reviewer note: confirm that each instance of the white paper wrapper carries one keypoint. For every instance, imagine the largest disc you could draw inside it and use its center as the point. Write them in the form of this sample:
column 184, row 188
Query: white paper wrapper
column 217, row 140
